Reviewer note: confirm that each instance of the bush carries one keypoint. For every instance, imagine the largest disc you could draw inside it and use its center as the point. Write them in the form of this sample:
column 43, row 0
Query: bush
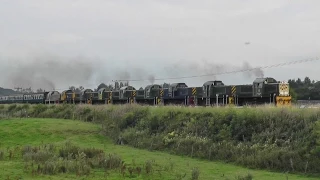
column 277, row 139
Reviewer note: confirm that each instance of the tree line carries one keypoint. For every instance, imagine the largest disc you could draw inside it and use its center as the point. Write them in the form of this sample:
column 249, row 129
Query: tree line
column 306, row 89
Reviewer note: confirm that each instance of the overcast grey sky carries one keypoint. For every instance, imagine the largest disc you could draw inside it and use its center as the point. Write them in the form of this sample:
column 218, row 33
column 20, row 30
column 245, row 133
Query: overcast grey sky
column 149, row 37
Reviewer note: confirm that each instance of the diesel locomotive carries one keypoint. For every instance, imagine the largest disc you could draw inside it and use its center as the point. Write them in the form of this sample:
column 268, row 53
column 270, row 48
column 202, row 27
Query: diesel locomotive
column 261, row 91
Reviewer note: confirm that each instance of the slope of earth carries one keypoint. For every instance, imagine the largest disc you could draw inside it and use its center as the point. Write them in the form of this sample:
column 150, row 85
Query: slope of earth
column 16, row 134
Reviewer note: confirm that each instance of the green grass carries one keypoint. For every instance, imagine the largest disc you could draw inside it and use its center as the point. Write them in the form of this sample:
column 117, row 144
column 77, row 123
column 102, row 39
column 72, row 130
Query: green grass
column 19, row 132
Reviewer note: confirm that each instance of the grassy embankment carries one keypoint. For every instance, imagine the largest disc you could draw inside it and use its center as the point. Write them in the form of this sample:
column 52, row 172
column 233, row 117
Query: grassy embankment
column 274, row 139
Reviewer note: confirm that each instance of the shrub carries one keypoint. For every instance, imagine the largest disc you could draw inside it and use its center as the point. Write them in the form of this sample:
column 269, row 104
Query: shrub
column 12, row 107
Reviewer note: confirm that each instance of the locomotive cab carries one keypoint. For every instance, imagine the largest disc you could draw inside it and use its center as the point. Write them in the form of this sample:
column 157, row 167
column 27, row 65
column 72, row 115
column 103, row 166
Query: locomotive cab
column 102, row 94
column 105, row 95
column 260, row 86
column 67, row 95
column 53, row 97
column 208, row 87
column 126, row 91
column 86, row 96
column 173, row 88
column 152, row 91
column 269, row 88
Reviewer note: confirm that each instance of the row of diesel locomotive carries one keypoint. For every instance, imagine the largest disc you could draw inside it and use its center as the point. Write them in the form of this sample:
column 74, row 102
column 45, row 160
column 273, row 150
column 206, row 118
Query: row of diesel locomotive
column 261, row 91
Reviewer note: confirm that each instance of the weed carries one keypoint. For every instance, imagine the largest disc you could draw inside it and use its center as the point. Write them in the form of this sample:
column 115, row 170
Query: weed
column 12, row 107
column 246, row 177
column 2, row 155
column 180, row 176
column 112, row 161
column 40, row 156
column 92, row 152
column 130, row 170
column 26, row 149
column 195, row 174
column 69, row 159
column 148, row 167
column 138, row 170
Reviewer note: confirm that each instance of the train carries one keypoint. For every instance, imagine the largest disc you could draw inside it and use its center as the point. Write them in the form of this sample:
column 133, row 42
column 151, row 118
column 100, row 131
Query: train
column 262, row 91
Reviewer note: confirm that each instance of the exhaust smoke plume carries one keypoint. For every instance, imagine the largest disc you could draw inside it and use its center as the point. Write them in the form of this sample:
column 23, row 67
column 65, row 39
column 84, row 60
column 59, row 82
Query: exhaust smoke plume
column 51, row 72
column 46, row 71
column 203, row 67
column 151, row 79
column 255, row 73
column 134, row 73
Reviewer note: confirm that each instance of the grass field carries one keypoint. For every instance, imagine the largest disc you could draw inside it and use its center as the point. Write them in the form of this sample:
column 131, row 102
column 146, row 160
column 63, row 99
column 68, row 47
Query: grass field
column 20, row 132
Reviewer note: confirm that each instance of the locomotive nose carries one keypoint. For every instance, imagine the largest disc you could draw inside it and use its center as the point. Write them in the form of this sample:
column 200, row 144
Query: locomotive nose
column 283, row 89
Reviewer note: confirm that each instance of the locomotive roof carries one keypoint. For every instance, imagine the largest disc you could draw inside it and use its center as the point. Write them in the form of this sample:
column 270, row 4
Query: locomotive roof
column 267, row 79
column 67, row 91
column 86, row 90
column 175, row 85
column 52, row 92
column 102, row 89
column 127, row 88
column 212, row 83
column 152, row 85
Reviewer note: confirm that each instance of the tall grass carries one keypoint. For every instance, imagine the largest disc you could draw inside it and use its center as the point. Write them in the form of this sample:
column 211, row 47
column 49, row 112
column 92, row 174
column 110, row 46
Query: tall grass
column 68, row 159
column 283, row 139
